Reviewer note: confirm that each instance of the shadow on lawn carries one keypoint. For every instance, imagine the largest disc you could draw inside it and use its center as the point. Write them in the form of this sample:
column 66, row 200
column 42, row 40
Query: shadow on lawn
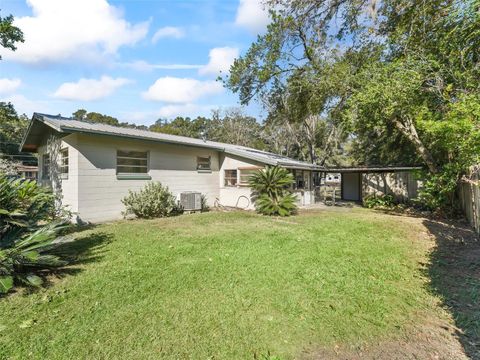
column 454, row 271
column 78, row 251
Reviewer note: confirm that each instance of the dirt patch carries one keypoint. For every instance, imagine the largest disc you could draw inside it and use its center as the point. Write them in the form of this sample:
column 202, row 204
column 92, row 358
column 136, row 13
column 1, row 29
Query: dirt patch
column 431, row 341
column 455, row 276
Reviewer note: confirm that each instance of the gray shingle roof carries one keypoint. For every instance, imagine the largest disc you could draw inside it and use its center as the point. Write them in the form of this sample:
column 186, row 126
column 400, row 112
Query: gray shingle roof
column 68, row 125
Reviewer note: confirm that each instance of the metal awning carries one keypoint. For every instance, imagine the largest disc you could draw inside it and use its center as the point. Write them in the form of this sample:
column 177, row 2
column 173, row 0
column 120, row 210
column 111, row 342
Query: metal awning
column 371, row 169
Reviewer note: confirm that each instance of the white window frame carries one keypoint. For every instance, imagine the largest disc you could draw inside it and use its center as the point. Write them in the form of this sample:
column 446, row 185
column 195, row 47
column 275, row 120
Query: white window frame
column 64, row 167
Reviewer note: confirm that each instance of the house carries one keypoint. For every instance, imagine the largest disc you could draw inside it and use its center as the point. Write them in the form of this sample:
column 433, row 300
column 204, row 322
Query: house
column 27, row 171
column 93, row 166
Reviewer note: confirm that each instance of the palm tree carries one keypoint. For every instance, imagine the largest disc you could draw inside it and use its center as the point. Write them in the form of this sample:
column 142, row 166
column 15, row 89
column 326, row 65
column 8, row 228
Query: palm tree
column 27, row 233
column 271, row 191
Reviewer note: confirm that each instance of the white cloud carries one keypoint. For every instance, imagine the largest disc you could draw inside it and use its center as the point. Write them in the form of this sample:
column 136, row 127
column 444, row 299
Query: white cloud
column 252, row 15
column 168, row 32
column 8, row 86
column 27, row 106
column 89, row 89
column 220, row 60
column 141, row 65
column 62, row 30
column 170, row 111
column 181, row 90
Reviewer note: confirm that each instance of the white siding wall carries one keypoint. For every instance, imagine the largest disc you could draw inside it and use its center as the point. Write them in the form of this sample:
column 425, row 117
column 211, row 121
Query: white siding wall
column 235, row 195
column 69, row 186
column 100, row 192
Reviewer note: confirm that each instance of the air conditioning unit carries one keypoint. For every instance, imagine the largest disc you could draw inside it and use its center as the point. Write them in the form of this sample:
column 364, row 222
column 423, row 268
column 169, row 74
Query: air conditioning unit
column 191, row 200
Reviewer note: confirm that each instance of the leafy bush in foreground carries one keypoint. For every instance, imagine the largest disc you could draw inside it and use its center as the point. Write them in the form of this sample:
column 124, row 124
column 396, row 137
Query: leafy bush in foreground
column 153, row 201
column 271, row 191
column 27, row 232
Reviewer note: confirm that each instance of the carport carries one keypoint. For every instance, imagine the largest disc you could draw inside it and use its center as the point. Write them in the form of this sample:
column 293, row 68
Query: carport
column 357, row 182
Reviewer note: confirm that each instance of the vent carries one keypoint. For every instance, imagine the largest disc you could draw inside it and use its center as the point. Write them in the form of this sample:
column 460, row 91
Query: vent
column 191, row 200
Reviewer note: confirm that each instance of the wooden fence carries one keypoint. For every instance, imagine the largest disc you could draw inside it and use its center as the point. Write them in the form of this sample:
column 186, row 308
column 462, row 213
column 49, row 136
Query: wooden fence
column 469, row 194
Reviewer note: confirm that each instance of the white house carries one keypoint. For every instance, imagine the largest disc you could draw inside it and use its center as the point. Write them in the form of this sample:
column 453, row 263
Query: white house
column 94, row 165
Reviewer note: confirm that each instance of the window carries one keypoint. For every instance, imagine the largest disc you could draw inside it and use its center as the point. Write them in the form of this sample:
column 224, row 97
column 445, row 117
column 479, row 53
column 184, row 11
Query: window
column 203, row 163
column 299, row 180
column 230, row 177
column 46, row 166
column 64, row 163
column 132, row 162
column 245, row 175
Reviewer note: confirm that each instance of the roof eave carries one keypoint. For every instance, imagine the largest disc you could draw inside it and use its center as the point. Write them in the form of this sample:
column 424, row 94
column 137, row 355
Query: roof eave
column 301, row 167
column 105, row 133
column 249, row 156
column 39, row 118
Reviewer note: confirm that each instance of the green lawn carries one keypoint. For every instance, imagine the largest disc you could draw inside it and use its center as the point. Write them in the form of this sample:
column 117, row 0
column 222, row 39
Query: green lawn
column 224, row 286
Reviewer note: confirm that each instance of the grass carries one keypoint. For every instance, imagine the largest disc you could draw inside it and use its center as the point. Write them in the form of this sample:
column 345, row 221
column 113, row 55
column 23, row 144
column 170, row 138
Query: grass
column 224, row 286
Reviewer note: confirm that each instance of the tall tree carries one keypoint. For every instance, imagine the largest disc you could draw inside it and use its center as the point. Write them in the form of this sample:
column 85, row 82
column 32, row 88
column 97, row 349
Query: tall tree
column 232, row 126
column 9, row 34
column 12, row 130
column 381, row 71
column 182, row 126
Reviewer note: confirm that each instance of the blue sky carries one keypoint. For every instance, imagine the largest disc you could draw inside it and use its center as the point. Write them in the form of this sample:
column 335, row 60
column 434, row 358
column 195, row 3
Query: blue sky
column 138, row 60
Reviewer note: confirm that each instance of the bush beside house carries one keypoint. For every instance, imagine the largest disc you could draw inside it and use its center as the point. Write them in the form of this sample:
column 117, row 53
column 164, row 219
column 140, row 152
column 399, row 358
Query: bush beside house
column 153, row 201
column 271, row 191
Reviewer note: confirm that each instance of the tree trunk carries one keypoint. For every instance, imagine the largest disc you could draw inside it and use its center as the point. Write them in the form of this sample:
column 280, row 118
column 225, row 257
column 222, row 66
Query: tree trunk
column 408, row 129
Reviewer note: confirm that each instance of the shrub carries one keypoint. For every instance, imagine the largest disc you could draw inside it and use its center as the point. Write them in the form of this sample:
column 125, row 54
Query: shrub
column 378, row 201
column 271, row 191
column 27, row 232
column 204, row 204
column 153, row 201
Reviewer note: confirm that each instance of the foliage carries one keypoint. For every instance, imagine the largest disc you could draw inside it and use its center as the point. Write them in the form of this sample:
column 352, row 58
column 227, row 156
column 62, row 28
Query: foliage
column 8, row 167
column 456, row 137
column 230, row 126
column 204, row 205
column 404, row 86
column 27, row 232
column 378, row 201
column 9, row 34
column 12, row 129
column 182, row 126
column 23, row 261
column 95, row 117
column 153, row 201
column 271, row 191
